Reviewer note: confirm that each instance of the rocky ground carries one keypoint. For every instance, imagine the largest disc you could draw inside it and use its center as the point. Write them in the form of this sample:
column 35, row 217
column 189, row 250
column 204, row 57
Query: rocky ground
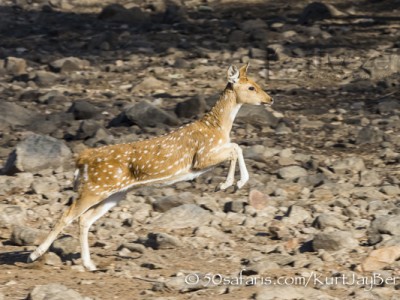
column 322, row 202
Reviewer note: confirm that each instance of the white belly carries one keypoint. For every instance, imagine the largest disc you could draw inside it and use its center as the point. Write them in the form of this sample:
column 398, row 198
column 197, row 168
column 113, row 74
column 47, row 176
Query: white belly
column 184, row 177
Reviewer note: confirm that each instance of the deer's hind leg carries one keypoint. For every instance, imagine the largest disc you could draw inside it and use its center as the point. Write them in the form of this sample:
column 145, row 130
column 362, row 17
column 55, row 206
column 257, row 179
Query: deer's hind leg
column 81, row 204
column 88, row 218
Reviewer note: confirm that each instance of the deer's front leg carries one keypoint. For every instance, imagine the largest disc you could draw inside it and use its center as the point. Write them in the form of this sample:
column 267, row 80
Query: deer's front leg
column 244, row 175
column 231, row 175
column 231, row 152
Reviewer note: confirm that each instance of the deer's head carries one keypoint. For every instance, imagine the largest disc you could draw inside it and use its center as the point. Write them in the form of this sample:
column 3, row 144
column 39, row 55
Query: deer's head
column 246, row 90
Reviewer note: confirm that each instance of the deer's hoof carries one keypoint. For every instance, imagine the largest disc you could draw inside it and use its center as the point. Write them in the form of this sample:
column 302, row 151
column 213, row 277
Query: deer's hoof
column 241, row 183
column 90, row 266
column 224, row 186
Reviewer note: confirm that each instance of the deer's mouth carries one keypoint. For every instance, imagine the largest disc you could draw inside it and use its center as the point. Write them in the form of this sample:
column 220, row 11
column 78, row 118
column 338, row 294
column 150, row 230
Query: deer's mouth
column 270, row 103
column 267, row 104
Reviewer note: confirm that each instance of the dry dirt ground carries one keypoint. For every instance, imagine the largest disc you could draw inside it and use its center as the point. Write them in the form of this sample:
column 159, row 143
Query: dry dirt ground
column 334, row 72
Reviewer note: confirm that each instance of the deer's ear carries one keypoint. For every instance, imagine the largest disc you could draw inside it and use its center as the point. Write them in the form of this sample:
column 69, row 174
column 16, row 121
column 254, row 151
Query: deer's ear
column 243, row 70
column 233, row 74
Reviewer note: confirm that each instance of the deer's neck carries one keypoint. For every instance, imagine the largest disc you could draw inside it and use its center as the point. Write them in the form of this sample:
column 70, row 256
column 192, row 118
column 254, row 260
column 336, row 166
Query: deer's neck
column 224, row 112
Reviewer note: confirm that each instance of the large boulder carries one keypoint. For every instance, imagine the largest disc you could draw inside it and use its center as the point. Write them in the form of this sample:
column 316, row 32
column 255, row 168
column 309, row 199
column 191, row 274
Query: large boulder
column 256, row 115
column 69, row 64
column 15, row 66
column 145, row 114
column 11, row 215
column 183, row 216
column 195, row 106
column 83, row 109
column 54, row 291
column 26, row 236
column 334, row 241
column 36, row 153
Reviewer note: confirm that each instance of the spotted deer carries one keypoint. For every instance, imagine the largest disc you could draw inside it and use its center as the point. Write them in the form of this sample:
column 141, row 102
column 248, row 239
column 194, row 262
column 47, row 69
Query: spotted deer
column 104, row 175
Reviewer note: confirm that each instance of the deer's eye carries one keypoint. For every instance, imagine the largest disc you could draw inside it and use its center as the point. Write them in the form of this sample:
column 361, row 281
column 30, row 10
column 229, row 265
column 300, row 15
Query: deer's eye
column 251, row 88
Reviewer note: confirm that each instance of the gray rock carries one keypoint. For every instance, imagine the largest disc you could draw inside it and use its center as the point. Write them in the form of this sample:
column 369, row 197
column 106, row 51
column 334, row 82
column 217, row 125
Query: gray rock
column 193, row 107
column 394, row 241
column 36, row 153
column 257, row 153
column 386, row 225
column 256, row 115
column 318, row 11
column 25, row 236
column 258, row 53
column 101, row 137
column 184, row 216
column 15, row 184
column 52, row 97
column 134, row 247
column 328, row 220
column 390, row 190
column 276, row 52
column 45, row 78
column 29, row 95
column 15, row 66
column 237, row 37
column 54, row 291
column 69, row 64
column 334, row 241
column 166, row 203
column 150, row 84
column 87, row 129
column 11, row 215
column 388, row 106
column 296, row 214
column 146, row 114
column 83, row 110
column 48, row 188
column 304, row 122
column 43, row 126
column 163, row 241
column 369, row 135
column 292, row 172
column 13, row 114
column 253, row 25
column 370, row 178
column 369, row 193
column 351, row 164
column 281, row 259
column 234, row 206
column 282, row 128
column 52, row 259
column 380, row 66
column 278, row 230
column 65, row 246
column 261, row 267
column 211, row 232
column 179, row 283
column 117, row 13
